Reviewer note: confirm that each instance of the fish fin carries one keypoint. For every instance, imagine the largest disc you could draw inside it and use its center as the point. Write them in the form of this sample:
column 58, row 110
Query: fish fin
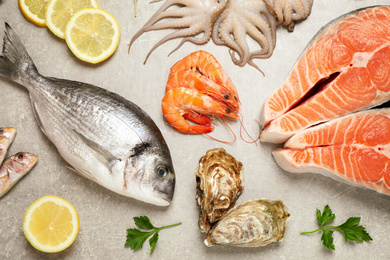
column 33, row 104
column 98, row 148
column 15, row 60
column 83, row 173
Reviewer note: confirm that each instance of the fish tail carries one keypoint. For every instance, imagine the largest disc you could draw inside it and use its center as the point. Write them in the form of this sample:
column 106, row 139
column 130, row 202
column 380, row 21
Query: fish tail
column 15, row 62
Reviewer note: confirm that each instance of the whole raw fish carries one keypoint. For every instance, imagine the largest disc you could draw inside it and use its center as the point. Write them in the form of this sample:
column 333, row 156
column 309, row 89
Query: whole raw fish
column 7, row 135
column 14, row 168
column 105, row 137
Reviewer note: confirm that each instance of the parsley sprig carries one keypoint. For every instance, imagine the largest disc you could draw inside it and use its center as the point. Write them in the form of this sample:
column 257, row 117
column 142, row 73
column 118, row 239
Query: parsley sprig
column 351, row 229
column 136, row 238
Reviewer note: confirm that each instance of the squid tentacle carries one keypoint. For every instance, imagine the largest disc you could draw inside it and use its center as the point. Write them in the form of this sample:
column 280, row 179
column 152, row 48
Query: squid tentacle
column 228, row 23
column 174, row 35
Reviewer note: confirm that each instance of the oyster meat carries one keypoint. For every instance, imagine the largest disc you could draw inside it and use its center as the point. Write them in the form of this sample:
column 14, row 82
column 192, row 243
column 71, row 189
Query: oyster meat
column 251, row 224
column 220, row 181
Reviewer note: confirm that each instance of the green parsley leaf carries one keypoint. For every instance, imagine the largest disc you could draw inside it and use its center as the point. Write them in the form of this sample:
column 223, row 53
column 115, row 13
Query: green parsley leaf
column 354, row 232
column 143, row 222
column 152, row 242
column 326, row 216
column 350, row 228
column 136, row 238
column 327, row 238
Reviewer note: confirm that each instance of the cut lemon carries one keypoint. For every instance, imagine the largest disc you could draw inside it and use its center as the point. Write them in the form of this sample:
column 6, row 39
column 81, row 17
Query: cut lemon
column 92, row 34
column 51, row 224
column 34, row 11
column 58, row 13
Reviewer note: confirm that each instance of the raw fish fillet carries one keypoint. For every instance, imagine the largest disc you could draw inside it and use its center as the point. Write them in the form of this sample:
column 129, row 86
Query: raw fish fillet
column 344, row 69
column 355, row 148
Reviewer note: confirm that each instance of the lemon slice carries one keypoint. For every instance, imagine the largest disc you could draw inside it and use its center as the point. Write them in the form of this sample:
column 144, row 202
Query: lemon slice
column 51, row 224
column 92, row 34
column 58, row 13
column 34, row 11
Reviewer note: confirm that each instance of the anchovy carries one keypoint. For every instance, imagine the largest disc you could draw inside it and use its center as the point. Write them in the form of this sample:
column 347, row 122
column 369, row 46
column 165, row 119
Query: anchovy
column 103, row 136
column 14, row 168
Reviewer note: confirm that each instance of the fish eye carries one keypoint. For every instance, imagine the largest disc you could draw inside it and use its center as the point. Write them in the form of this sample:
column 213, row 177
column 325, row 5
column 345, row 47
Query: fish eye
column 1, row 131
column 227, row 96
column 228, row 111
column 235, row 98
column 20, row 156
column 162, row 171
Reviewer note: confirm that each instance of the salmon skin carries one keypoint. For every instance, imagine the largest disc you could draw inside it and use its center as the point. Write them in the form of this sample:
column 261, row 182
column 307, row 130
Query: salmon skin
column 354, row 148
column 344, row 69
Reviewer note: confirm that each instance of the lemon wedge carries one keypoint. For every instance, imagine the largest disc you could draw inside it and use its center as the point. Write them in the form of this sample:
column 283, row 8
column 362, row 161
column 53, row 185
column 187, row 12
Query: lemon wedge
column 92, row 34
column 51, row 224
column 58, row 13
column 34, row 11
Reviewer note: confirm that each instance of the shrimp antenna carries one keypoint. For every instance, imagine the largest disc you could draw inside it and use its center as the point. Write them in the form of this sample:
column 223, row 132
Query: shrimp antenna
column 231, row 131
column 246, row 132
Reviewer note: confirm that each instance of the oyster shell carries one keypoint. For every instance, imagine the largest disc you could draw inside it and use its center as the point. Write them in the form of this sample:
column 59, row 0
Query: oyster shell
column 251, row 224
column 220, row 181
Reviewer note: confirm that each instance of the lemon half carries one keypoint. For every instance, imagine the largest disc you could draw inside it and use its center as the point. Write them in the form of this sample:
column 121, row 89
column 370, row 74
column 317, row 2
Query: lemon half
column 58, row 13
column 34, row 11
column 92, row 34
column 51, row 224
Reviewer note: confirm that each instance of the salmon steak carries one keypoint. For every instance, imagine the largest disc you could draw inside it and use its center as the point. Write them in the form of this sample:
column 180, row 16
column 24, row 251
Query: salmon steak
column 344, row 69
column 354, row 148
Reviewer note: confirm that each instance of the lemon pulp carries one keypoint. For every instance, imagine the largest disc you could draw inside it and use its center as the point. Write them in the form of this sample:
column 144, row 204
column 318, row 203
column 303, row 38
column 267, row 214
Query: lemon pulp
column 51, row 224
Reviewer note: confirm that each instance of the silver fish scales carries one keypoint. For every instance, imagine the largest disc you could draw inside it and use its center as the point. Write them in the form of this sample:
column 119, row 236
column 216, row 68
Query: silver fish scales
column 105, row 137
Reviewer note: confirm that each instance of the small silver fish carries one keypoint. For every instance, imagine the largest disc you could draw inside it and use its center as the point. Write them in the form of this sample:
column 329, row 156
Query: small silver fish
column 105, row 137
column 7, row 135
column 14, row 168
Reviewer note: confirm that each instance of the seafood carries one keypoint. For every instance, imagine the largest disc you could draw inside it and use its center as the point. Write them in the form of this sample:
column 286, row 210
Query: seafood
column 353, row 148
column 227, row 22
column 220, row 181
column 7, row 135
column 197, row 86
column 253, row 223
column 201, row 71
column 105, row 137
column 288, row 12
column 14, row 168
column 344, row 69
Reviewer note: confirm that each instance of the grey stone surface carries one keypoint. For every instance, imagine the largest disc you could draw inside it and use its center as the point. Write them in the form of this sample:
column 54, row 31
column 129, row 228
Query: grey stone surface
column 105, row 216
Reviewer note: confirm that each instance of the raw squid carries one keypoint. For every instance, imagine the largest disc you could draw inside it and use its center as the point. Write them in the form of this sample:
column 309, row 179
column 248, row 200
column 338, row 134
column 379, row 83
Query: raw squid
column 228, row 22
column 345, row 69
column 354, row 148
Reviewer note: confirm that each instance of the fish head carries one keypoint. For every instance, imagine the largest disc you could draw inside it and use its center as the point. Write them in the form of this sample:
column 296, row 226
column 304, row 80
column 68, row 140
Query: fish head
column 151, row 176
column 7, row 132
column 20, row 163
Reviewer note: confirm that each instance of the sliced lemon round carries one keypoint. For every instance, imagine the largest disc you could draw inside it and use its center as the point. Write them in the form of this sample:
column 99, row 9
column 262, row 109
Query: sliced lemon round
column 58, row 13
column 34, row 11
column 51, row 224
column 92, row 34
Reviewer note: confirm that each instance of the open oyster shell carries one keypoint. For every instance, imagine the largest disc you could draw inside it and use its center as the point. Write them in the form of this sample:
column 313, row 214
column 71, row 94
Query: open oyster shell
column 251, row 224
column 220, row 181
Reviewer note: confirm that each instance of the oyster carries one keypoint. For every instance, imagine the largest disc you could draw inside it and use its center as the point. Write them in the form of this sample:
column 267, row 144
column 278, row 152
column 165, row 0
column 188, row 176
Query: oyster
column 251, row 224
column 220, row 181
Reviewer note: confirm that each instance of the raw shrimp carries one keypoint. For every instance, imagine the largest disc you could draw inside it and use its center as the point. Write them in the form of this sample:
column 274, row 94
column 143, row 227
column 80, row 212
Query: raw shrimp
column 182, row 103
column 202, row 71
column 197, row 88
